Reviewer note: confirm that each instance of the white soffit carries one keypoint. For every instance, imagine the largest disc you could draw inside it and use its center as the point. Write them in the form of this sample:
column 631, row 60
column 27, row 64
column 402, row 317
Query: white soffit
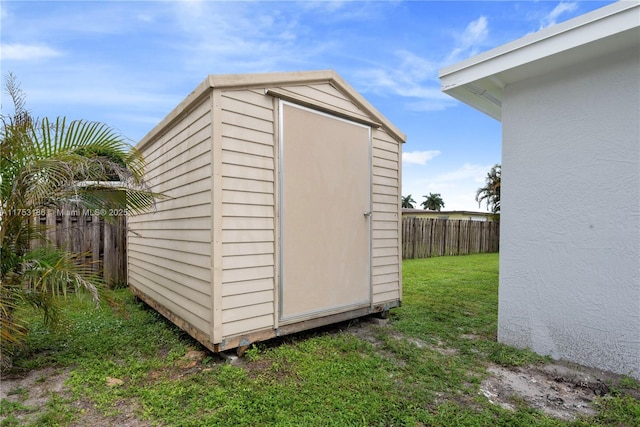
column 479, row 81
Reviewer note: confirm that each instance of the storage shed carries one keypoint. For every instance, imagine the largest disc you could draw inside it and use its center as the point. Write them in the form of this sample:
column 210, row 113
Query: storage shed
column 282, row 209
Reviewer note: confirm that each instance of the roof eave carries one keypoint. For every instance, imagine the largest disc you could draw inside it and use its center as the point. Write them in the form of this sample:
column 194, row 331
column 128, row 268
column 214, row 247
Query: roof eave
column 479, row 81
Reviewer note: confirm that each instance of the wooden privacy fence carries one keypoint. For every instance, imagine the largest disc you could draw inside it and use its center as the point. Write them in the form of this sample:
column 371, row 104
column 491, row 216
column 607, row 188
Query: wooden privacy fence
column 82, row 231
column 104, row 243
column 429, row 237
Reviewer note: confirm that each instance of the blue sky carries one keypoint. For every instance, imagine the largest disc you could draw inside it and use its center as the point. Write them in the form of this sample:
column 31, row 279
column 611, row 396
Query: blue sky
column 129, row 63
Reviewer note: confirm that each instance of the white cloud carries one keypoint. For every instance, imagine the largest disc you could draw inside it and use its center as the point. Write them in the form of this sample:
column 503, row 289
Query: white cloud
column 235, row 37
column 409, row 77
column 471, row 40
column 324, row 6
column 560, row 9
column 419, row 157
column 146, row 18
column 84, row 94
column 26, row 52
column 347, row 10
column 434, row 104
column 412, row 76
column 77, row 18
column 398, row 83
column 465, row 172
column 476, row 32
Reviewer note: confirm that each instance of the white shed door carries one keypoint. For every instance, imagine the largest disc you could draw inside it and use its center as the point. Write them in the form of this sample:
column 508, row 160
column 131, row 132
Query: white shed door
column 325, row 214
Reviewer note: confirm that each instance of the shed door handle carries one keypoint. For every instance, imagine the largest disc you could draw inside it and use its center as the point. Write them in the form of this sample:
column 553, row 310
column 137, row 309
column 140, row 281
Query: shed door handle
column 367, row 214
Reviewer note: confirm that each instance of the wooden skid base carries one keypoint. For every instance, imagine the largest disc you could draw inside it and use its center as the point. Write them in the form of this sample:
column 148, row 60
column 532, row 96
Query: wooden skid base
column 244, row 340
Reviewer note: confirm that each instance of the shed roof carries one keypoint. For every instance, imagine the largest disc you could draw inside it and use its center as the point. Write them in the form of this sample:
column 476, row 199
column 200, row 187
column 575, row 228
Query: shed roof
column 479, row 81
column 271, row 81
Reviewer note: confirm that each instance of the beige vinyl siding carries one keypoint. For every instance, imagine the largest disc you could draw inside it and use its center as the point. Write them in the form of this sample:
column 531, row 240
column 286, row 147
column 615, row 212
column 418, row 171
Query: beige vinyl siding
column 170, row 252
column 248, row 210
column 385, row 218
column 178, row 299
column 325, row 96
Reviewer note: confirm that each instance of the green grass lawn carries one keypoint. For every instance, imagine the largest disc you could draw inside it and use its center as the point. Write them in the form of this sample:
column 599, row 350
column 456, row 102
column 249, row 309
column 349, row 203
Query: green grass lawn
column 423, row 369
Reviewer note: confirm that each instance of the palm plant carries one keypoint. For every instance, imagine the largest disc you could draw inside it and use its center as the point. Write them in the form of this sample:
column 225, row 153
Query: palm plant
column 47, row 164
column 490, row 193
column 408, row 202
column 433, row 202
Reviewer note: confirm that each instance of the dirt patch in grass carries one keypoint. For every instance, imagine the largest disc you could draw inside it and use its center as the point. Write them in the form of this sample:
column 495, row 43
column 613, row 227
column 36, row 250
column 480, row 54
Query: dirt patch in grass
column 280, row 373
column 34, row 390
column 364, row 330
column 90, row 416
column 30, row 393
column 561, row 390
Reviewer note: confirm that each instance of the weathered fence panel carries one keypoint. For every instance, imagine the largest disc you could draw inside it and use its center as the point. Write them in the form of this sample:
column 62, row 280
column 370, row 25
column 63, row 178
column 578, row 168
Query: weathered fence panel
column 103, row 243
column 429, row 237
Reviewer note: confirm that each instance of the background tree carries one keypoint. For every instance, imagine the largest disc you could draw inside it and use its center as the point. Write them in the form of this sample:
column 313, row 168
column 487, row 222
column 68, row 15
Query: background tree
column 408, row 202
column 433, row 202
column 490, row 193
column 48, row 164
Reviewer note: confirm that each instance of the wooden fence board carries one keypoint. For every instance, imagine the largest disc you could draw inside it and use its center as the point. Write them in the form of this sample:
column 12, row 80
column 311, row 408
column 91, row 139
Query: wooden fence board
column 103, row 243
column 429, row 237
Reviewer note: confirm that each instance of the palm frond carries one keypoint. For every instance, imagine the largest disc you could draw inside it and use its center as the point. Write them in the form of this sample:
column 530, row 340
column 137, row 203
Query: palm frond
column 64, row 155
column 490, row 193
column 53, row 138
column 52, row 271
column 39, row 277
column 49, row 163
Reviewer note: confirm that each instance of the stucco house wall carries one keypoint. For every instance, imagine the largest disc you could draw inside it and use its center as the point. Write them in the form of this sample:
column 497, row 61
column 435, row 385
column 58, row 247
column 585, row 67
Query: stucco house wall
column 570, row 273
column 569, row 101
